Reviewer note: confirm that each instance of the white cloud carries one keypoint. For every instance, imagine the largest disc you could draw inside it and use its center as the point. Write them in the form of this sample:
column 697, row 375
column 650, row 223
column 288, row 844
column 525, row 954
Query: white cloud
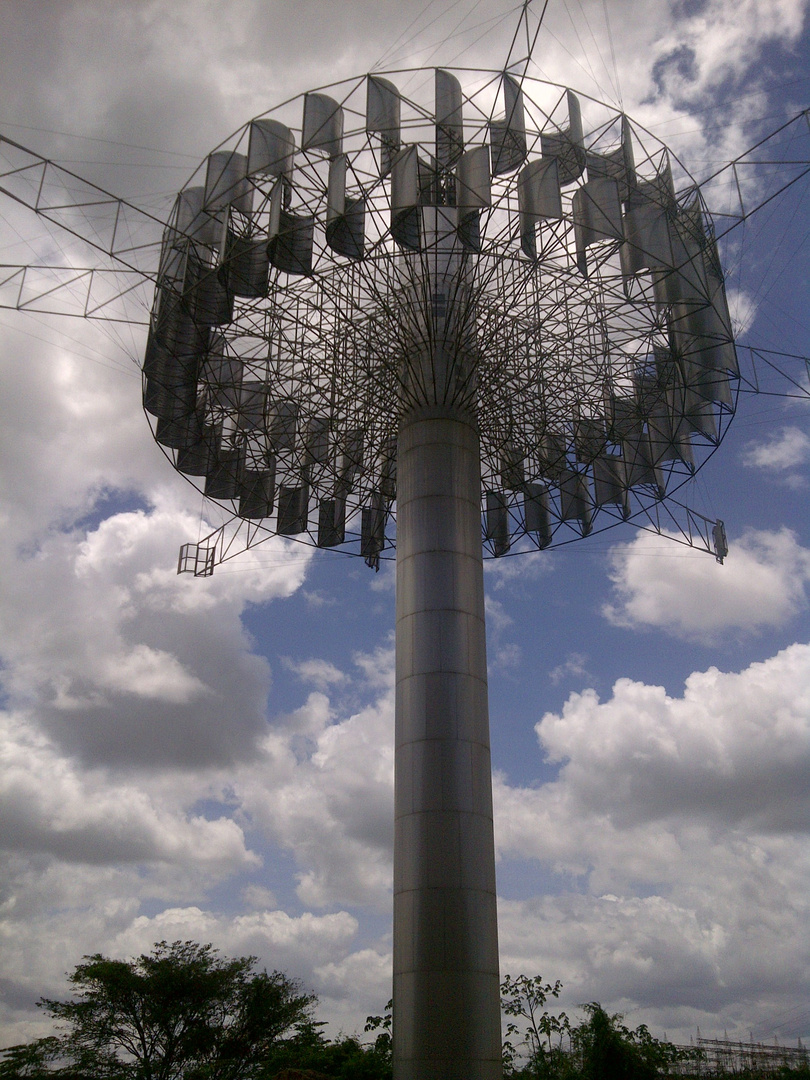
column 684, row 592
column 788, row 449
column 682, row 823
column 320, row 673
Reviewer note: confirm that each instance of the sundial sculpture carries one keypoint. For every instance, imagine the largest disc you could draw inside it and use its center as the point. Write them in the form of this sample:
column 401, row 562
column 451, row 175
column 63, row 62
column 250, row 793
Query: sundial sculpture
column 443, row 313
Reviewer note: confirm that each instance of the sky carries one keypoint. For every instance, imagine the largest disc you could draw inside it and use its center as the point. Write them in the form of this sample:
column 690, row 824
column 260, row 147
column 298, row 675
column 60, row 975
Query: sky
column 211, row 759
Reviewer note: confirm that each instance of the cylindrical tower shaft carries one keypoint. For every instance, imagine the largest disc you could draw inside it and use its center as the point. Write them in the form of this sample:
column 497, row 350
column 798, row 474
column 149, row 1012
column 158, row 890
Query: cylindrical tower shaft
column 446, row 982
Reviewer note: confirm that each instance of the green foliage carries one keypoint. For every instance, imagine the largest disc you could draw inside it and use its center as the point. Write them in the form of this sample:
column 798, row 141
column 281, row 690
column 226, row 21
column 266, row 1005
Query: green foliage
column 181, row 1011
column 542, row 1035
column 600, row 1047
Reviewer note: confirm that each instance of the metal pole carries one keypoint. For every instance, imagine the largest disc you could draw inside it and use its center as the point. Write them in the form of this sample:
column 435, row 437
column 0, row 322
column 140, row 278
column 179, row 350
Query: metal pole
column 446, row 981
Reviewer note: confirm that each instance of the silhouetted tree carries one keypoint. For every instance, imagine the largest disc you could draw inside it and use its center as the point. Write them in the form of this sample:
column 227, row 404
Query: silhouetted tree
column 181, row 1011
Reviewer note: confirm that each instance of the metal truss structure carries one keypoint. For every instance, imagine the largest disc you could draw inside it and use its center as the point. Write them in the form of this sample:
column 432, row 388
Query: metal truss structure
column 654, row 408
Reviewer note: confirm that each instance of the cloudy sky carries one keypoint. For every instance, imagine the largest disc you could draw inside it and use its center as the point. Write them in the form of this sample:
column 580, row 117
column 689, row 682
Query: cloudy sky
column 211, row 759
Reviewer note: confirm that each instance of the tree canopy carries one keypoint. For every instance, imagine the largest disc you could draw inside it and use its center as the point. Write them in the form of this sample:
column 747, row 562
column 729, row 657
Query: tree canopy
column 180, row 1011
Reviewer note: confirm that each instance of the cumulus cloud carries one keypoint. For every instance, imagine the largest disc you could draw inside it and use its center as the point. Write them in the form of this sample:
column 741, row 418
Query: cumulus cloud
column 787, row 450
column 666, row 811
column 684, row 592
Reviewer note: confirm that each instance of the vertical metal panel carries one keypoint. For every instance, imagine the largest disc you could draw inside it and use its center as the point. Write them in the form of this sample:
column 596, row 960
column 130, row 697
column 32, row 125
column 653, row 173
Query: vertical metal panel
column 610, row 481
column 226, row 182
column 247, row 265
column 536, row 513
column 193, row 221
column 405, row 212
column 383, row 118
column 331, row 521
column 496, row 522
column 618, row 164
column 538, row 199
column 271, row 149
column 473, row 194
column 316, row 441
column 252, row 405
column 293, row 509
column 257, row 491
column 597, row 214
column 322, row 127
column 345, row 218
column 290, row 241
column 197, row 459
column 178, row 433
column 225, row 477
column 372, row 532
column 566, row 145
column 449, row 119
column 507, row 137
column 575, row 499
column 282, row 423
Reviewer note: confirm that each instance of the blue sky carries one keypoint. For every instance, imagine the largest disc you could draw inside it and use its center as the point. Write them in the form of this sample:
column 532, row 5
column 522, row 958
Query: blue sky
column 212, row 759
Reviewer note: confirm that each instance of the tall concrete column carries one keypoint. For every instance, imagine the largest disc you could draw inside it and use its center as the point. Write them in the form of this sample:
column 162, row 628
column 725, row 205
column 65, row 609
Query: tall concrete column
column 446, row 982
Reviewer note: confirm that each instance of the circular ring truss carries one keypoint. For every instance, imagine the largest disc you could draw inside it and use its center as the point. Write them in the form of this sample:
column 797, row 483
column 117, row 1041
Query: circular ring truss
column 440, row 238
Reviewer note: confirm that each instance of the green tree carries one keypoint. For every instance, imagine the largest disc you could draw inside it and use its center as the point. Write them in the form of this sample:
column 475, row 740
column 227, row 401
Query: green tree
column 607, row 1050
column 181, row 1011
column 543, row 1035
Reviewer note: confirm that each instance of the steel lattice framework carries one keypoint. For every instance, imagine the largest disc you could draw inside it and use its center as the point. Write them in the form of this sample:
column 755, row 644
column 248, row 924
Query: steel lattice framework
column 359, row 251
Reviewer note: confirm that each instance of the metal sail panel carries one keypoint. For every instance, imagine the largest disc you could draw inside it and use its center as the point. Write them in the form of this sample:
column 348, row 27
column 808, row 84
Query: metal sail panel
column 222, row 375
column 225, row 477
column 282, row 423
column 536, row 516
column 198, row 458
column 496, row 522
column 589, row 439
column 372, row 532
column 293, row 509
column 699, row 414
column 180, row 433
column 575, row 499
column 345, row 218
column 597, row 216
column 623, row 417
column 610, row 481
column 668, row 433
column 449, row 119
column 257, row 492
column 195, row 222
column 331, row 522
column 210, row 298
column 226, row 182
column 316, row 441
column 247, row 266
column 507, row 137
column 252, row 406
column 271, row 149
column 383, row 107
column 539, row 199
column 552, row 455
column 659, row 190
column 513, row 472
column 405, row 210
column 567, row 144
column 473, row 194
column 290, row 243
column 647, row 239
column 171, row 393
column 637, row 456
column 350, row 459
column 618, row 164
column 323, row 124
